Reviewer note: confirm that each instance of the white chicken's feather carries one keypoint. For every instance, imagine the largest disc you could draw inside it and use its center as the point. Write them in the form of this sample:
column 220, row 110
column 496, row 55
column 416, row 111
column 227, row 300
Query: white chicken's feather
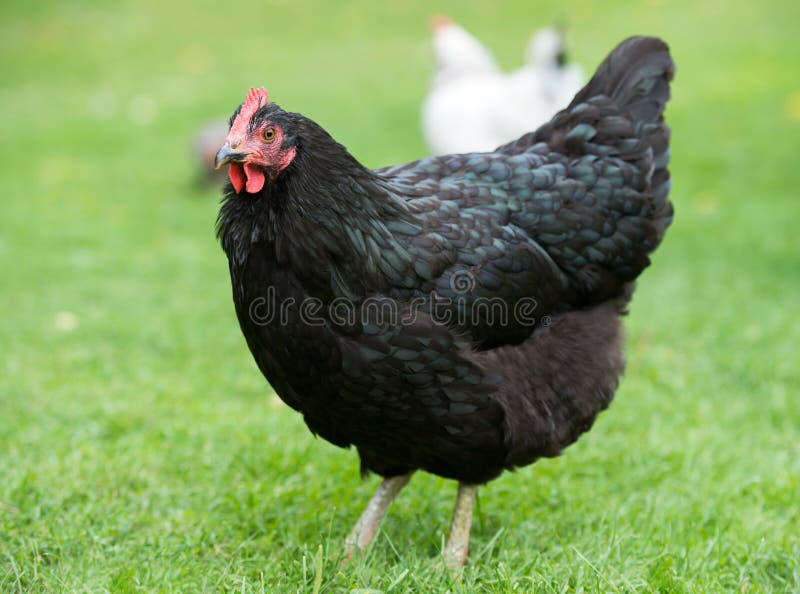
column 474, row 106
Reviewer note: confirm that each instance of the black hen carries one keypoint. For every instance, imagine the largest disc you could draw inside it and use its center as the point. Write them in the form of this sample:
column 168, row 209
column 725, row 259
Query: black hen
column 458, row 314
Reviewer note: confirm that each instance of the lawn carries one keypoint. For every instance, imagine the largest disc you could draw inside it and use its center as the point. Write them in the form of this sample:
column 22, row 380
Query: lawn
column 141, row 450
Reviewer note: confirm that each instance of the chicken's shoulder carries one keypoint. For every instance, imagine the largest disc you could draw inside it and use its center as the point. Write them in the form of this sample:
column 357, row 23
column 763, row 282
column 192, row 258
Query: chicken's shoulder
column 473, row 264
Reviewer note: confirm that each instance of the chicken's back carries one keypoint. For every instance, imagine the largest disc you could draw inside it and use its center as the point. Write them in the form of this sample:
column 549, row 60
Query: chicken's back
column 589, row 189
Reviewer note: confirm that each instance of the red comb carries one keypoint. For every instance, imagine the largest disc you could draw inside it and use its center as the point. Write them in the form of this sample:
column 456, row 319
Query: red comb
column 256, row 98
column 439, row 21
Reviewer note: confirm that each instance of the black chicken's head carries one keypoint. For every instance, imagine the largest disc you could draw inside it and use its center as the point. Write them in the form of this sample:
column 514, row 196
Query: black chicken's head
column 259, row 145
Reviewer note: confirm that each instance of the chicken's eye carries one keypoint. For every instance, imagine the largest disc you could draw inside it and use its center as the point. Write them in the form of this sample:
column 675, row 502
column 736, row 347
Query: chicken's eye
column 268, row 133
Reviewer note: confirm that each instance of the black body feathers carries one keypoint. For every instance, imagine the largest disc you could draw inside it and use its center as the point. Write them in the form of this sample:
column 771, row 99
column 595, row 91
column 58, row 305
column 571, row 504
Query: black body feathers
column 458, row 314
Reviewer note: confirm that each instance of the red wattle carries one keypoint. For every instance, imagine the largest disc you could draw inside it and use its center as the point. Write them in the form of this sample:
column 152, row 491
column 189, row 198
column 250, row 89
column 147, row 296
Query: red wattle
column 236, row 175
column 255, row 177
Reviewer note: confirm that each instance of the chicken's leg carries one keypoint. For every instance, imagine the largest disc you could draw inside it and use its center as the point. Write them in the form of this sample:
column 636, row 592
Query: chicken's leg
column 367, row 526
column 457, row 547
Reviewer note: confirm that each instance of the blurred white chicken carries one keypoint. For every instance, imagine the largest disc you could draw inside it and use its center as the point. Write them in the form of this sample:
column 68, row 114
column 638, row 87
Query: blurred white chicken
column 458, row 54
column 473, row 105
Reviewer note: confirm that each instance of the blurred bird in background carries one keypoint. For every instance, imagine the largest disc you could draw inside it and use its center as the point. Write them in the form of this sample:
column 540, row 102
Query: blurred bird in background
column 205, row 144
column 458, row 53
column 473, row 105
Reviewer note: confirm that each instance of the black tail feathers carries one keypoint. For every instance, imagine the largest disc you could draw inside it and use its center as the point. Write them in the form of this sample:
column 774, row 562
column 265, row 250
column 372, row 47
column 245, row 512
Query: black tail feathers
column 636, row 76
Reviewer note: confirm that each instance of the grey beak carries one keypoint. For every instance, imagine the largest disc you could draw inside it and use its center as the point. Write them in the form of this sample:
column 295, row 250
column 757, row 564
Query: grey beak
column 227, row 155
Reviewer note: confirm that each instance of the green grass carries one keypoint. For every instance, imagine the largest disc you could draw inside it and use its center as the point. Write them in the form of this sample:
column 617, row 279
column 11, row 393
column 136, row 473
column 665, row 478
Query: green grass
column 140, row 449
